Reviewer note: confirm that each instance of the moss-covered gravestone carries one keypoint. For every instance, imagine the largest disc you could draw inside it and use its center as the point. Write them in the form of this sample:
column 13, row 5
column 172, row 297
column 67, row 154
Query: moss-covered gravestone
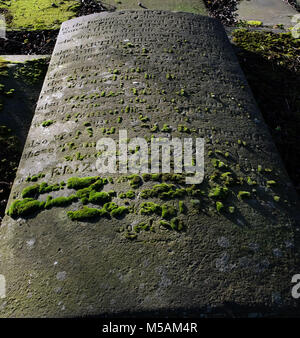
column 78, row 242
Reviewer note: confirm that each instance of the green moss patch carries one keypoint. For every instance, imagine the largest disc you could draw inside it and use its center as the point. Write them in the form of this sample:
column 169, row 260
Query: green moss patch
column 86, row 214
column 32, row 71
column 23, row 208
column 41, row 14
column 79, row 183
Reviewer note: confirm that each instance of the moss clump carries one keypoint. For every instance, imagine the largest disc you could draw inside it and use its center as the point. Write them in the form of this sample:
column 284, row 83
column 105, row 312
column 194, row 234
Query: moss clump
column 47, row 123
column 129, row 194
column 79, row 183
column 219, row 192
column 34, row 178
column 135, row 181
column 166, row 128
column 60, row 201
column 174, row 224
column 218, row 164
column 148, row 208
column 250, row 181
column 25, row 207
column 99, row 197
column 119, row 212
column 165, row 223
column 183, row 129
column 182, row 92
column 231, row 209
column 141, row 227
column 219, row 206
column 271, row 183
column 110, row 206
column 45, row 188
column 130, row 235
column 177, row 224
column 243, row 195
column 182, row 207
column 164, row 191
column 86, row 214
column 226, row 178
column 254, row 23
column 31, row 191
column 168, row 211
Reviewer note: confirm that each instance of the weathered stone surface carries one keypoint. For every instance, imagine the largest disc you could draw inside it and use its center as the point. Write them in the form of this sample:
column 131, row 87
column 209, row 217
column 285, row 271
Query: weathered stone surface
column 270, row 12
column 134, row 71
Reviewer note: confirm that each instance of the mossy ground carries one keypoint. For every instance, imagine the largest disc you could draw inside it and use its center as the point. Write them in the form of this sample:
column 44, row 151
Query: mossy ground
column 38, row 14
column 271, row 64
column 191, row 6
column 10, row 153
column 30, row 73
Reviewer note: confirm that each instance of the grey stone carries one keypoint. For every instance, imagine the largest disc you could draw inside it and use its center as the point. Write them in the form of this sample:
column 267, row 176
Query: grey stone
column 61, row 275
column 122, row 271
column 270, row 12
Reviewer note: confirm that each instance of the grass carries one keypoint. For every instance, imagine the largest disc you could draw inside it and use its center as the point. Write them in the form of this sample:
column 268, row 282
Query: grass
column 38, row 14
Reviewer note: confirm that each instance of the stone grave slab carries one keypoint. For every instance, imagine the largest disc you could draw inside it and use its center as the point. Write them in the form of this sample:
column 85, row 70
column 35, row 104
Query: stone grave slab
column 77, row 242
column 270, row 12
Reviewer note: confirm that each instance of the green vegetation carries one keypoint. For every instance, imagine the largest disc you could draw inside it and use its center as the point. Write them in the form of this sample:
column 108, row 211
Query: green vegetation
column 166, row 128
column 45, row 188
column 182, row 207
column 148, row 208
column 164, row 191
column 25, row 207
column 42, row 14
column 79, row 183
column 129, row 194
column 243, row 195
column 219, row 206
column 47, row 123
column 135, row 181
column 231, row 209
column 59, row 201
column 174, row 224
column 271, row 183
column 86, row 214
column 31, row 191
column 99, row 197
column 254, row 23
column 219, row 192
column 119, row 212
column 168, row 211
column 32, row 71
column 142, row 227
